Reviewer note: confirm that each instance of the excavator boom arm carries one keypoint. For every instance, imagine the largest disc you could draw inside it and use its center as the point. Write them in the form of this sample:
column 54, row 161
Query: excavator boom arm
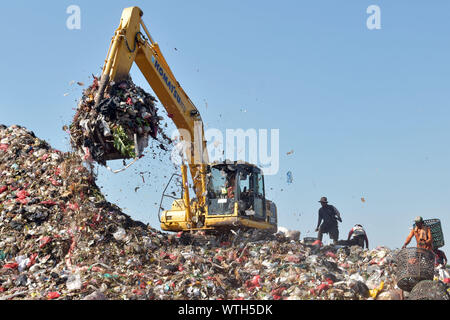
column 130, row 45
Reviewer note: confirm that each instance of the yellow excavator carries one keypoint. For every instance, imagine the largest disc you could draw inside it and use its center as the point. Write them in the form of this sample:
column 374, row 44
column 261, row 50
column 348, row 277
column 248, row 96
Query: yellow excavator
column 229, row 195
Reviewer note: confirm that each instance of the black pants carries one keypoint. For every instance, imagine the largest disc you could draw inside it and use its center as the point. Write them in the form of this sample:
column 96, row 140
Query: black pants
column 332, row 231
column 357, row 241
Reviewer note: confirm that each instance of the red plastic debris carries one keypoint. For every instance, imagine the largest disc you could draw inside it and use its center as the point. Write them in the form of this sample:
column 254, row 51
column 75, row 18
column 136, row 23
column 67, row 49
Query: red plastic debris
column 3, row 189
column 255, row 282
column 12, row 265
column 172, row 257
column 48, row 202
column 317, row 243
column 278, row 292
column 22, row 194
column 22, row 201
column 97, row 269
column 129, row 101
column 294, row 259
column 4, row 147
column 330, row 254
column 32, row 259
column 97, row 218
column 44, row 241
column 138, row 292
column 54, row 182
column 73, row 206
column 322, row 287
column 87, row 156
column 447, row 280
column 53, row 295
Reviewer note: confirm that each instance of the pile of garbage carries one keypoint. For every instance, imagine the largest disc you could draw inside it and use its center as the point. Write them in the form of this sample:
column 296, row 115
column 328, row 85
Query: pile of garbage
column 118, row 126
column 60, row 239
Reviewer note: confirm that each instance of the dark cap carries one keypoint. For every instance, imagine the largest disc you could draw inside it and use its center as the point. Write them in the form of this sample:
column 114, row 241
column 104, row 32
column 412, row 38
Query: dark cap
column 324, row 200
column 418, row 219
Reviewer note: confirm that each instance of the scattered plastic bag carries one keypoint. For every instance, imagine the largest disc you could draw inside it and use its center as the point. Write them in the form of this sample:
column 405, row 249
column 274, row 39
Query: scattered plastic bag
column 73, row 282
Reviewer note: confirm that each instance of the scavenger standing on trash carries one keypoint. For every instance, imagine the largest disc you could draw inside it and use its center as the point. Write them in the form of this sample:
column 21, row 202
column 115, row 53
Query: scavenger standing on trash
column 422, row 233
column 330, row 217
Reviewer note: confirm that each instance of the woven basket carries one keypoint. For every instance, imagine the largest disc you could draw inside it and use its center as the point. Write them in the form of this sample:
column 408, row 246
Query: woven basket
column 413, row 266
column 436, row 232
column 429, row 290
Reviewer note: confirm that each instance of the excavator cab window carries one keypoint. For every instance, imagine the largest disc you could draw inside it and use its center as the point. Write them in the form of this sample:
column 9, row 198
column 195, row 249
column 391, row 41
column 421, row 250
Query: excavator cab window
column 259, row 198
column 251, row 192
column 221, row 189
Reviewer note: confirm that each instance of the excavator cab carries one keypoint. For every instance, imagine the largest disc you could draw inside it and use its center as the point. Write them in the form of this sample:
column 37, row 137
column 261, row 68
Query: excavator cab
column 232, row 186
column 234, row 199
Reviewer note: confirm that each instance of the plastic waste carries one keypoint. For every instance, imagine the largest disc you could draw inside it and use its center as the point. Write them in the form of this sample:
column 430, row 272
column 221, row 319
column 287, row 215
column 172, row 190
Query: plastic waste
column 289, row 177
column 120, row 234
column 374, row 292
column 61, row 239
column 73, row 282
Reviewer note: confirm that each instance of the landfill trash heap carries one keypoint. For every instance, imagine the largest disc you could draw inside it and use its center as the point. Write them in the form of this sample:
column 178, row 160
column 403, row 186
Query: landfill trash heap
column 118, row 127
column 60, row 239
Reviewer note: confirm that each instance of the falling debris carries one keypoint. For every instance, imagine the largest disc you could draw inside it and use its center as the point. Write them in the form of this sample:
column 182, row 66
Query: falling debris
column 290, row 152
column 289, row 177
column 363, row 200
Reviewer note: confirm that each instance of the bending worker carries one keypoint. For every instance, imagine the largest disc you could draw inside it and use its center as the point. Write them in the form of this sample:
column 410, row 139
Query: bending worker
column 358, row 236
column 440, row 258
column 422, row 234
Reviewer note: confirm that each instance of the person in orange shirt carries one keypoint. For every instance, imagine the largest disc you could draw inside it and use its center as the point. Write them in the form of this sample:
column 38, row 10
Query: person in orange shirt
column 422, row 234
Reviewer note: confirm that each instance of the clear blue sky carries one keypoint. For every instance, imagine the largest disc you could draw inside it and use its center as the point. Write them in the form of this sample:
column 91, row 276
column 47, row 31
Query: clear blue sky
column 365, row 111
